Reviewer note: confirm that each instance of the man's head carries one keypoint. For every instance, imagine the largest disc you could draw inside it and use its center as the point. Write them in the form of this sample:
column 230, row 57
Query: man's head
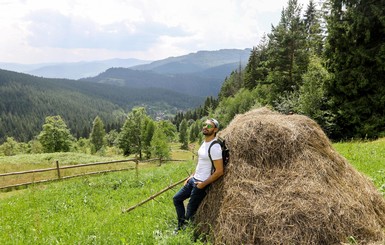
column 210, row 127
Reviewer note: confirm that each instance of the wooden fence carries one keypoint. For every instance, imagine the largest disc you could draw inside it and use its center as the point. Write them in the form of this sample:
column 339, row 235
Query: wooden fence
column 59, row 176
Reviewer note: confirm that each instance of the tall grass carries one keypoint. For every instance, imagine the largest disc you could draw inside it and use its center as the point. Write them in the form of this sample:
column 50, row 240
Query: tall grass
column 88, row 210
column 368, row 157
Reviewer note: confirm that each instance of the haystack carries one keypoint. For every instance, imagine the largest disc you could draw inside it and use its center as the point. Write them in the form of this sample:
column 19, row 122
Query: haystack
column 285, row 184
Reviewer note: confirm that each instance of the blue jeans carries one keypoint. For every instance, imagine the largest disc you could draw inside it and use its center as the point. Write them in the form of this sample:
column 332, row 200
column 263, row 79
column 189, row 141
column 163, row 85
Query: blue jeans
column 196, row 196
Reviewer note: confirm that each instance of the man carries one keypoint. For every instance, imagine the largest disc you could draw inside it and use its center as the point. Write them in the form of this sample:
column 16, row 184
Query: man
column 196, row 185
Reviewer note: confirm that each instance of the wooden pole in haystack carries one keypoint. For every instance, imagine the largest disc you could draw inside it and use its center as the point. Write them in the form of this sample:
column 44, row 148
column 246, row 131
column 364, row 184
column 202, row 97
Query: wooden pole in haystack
column 153, row 196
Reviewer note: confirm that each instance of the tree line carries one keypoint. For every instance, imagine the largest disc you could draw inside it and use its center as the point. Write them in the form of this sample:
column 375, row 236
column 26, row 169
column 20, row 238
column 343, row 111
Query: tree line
column 325, row 61
column 26, row 100
column 140, row 136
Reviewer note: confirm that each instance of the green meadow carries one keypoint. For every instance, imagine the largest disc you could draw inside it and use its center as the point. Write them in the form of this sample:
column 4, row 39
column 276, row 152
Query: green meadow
column 88, row 210
column 368, row 157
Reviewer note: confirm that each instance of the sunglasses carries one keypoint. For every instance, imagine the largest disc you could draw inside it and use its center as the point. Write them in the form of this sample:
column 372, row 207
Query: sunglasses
column 207, row 125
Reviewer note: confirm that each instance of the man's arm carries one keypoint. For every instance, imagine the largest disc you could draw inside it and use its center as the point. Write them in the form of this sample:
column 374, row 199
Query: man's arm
column 218, row 164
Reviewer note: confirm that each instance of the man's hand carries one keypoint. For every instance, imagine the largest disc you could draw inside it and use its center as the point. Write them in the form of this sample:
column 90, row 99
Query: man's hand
column 200, row 185
column 217, row 173
column 185, row 182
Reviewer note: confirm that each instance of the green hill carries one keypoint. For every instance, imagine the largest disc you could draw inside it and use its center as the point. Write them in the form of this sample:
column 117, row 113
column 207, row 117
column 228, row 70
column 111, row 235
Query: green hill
column 26, row 100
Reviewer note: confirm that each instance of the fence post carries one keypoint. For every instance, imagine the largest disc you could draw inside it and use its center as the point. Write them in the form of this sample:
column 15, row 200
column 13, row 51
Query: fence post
column 58, row 170
column 191, row 148
column 137, row 168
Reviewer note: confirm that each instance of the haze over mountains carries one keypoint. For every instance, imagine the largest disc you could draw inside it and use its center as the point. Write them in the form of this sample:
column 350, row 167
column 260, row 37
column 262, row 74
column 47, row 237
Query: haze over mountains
column 164, row 87
column 74, row 70
column 197, row 74
column 202, row 61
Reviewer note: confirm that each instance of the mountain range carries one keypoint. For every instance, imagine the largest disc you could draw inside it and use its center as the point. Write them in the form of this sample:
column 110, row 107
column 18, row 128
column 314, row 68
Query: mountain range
column 74, row 70
column 164, row 87
column 197, row 74
column 190, row 63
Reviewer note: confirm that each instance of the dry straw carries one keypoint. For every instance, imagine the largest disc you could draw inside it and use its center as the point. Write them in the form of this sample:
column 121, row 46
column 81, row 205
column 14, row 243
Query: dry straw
column 285, row 184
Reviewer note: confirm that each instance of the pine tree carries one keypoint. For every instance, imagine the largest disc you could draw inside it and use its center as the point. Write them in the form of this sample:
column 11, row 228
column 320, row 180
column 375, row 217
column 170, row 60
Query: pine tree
column 183, row 136
column 313, row 29
column 251, row 70
column 97, row 134
column 287, row 53
column 230, row 86
column 257, row 69
column 356, row 58
column 149, row 130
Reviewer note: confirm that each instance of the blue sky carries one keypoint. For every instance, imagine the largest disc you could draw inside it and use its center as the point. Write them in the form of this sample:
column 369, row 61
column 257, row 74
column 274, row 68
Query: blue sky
column 38, row 31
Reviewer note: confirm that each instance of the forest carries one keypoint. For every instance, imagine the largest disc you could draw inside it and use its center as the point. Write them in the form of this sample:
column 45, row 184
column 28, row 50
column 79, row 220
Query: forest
column 323, row 61
column 26, row 100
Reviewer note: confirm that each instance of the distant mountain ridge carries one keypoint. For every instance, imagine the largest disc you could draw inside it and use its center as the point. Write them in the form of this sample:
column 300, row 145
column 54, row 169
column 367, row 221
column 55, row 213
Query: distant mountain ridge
column 189, row 63
column 164, row 87
column 26, row 100
column 189, row 84
column 71, row 70
column 195, row 74
column 198, row 62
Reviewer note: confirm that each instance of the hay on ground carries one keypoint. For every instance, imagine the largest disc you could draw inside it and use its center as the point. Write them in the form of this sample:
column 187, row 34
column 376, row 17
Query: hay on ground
column 285, row 184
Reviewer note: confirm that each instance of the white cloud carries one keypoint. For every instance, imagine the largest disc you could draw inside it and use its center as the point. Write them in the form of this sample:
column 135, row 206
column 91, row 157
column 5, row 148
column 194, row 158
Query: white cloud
column 71, row 30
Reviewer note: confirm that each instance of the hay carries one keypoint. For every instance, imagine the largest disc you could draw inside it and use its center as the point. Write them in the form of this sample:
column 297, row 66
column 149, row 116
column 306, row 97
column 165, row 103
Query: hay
column 285, row 184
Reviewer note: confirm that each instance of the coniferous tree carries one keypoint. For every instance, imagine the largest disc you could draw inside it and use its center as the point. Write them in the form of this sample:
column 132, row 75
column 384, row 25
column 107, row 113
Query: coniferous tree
column 251, row 70
column 257, row 68
column 149, row 130
column 312, row 20
column 287, row 52
column 97, row 134
column 355, row 52
column 230, row 86
column 194, row 131
column 183, row 136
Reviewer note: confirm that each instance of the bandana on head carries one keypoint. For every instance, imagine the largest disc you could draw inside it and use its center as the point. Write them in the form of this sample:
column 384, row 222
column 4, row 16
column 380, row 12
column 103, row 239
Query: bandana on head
column 216, row 123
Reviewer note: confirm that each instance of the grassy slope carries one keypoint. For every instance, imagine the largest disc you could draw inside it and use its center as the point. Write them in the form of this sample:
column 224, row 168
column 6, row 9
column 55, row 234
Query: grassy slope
column 88, row 210
column 366, row 157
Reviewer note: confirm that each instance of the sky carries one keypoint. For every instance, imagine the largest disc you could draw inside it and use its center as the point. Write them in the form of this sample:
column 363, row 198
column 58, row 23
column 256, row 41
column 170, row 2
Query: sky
column 44, row 31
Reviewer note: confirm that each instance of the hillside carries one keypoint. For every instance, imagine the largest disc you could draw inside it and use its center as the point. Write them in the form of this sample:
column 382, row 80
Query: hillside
column 196, row 74
column 198, row 62
column 26, row 100
column 192, row 85
column 165, row 87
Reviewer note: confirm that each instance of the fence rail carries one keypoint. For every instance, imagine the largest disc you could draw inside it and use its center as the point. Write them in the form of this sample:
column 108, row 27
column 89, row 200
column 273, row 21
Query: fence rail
column 59, row 176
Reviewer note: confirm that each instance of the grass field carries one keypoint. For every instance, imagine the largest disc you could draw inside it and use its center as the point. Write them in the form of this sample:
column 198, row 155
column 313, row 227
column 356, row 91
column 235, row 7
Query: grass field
column 366, row 157
column 87, row 210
